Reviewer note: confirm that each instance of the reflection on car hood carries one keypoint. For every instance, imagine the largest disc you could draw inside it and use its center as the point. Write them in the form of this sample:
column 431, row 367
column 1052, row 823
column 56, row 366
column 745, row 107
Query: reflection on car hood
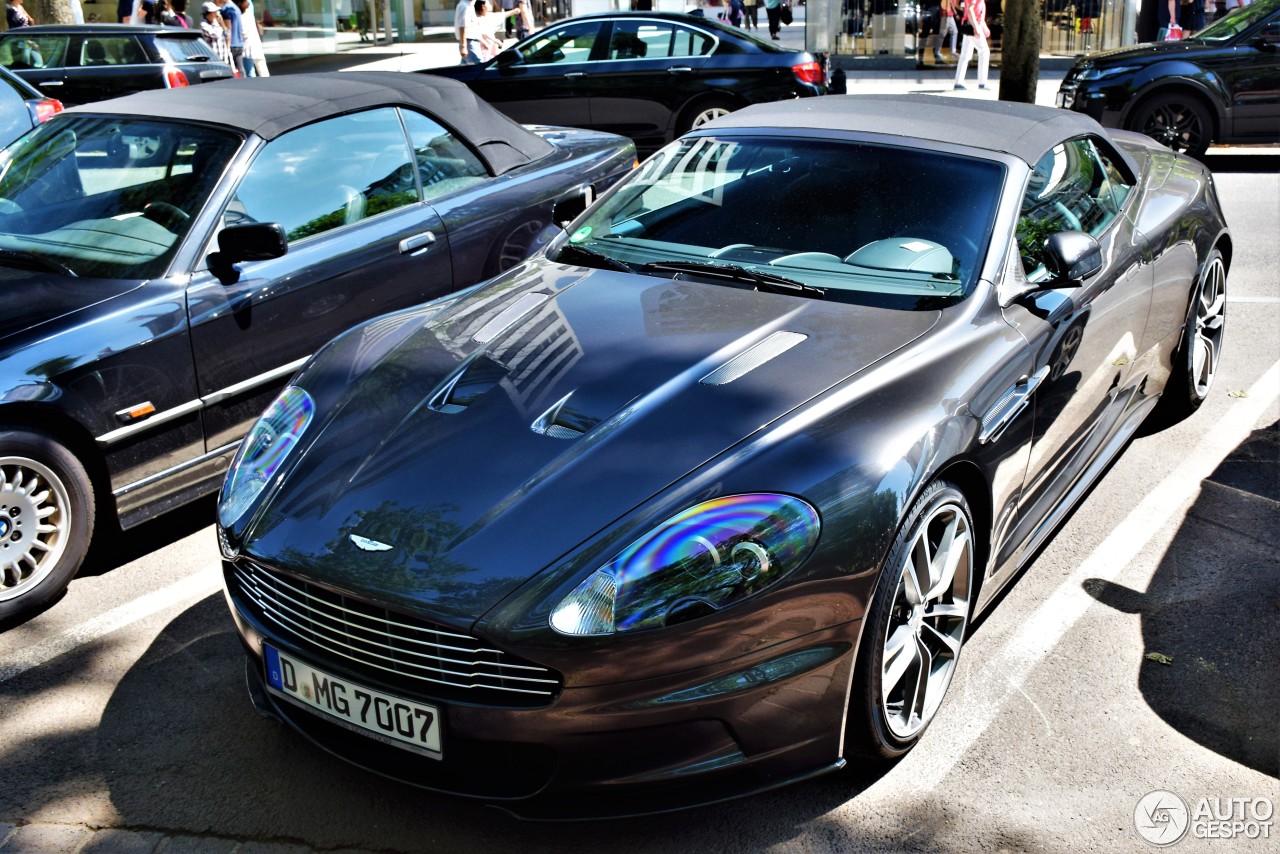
column 1142, row 53
column 29, row 298
column 534, row 414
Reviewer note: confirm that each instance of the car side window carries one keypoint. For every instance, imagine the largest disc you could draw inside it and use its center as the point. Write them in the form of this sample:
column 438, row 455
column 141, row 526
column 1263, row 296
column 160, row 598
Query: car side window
column 568, row 44
column 327, row 175
column 445, row 164
column 655, row 40
column 1069, row 190
column 111, row 50
column 33, row 52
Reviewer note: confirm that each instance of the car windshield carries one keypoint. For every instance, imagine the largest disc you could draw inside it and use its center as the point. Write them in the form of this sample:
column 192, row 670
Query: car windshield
column 1230, row 26
column 853, row 222
column 106, row 197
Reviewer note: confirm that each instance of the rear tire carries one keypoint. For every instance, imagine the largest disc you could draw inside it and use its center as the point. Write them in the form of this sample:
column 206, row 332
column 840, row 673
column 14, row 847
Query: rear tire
column 916, row 626
column 1177, row 120
column 704, row 111
column 1195, row 362
column 46, row 520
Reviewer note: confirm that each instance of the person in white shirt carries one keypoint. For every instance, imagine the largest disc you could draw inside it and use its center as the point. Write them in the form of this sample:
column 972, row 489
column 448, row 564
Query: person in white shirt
column 255, row 57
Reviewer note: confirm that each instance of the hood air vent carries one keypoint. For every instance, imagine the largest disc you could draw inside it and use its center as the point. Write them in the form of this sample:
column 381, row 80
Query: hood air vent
column 562, row 422
column 508, row 316
column 753, row 357
column 461, row 389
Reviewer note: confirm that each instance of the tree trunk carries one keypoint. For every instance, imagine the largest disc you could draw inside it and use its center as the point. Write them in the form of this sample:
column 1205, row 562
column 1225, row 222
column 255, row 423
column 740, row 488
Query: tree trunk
column 1020, row 51
column 50, row 11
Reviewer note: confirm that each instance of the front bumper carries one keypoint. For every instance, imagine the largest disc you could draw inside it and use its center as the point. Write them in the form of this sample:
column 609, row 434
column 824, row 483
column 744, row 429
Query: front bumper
column 649, row 745
column 1098, row 105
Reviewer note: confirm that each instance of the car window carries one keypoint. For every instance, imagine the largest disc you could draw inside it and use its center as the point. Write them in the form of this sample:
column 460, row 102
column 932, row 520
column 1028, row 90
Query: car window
column 1230, row 26
column 563, row 45
column 185, row 50
column 861, row 222
column 654, row 40
column 108, row 198
column 1070, row 189
column 33, row 52
column 329, row 174
column 445, row 164
column 111, row 50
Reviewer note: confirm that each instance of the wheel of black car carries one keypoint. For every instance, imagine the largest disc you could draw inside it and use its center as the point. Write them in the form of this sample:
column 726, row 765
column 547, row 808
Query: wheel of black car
column 46, row 520
column 916, row 626
column 1177, row 120
column 518, row 244
column 1195, row 363
column 705, row 111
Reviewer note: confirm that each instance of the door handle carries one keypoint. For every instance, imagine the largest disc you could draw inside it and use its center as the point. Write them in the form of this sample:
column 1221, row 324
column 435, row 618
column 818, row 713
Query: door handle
column 417, row 243
column 679, row 69
column 574, row 75
column 45, row 83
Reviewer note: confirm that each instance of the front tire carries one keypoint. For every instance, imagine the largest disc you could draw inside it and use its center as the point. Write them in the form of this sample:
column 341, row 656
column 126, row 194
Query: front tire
column 1177, row 120
column 46, row 520
column 1195, row 363
column 916, row 626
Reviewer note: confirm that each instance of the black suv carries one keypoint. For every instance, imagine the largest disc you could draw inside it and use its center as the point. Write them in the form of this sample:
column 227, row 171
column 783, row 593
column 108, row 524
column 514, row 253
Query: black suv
column 91, row 62
column 1220, row 86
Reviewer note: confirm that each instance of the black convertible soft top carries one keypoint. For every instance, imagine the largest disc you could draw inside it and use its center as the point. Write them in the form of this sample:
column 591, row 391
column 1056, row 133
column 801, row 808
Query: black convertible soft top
column 271, row 106
column 1025, row 131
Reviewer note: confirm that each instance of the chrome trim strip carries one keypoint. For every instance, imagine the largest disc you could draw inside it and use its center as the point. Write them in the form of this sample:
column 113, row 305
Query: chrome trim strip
column 108, row 439
column 1009, row 406
column 150, row 479
column 509, row 315
column 753, row 357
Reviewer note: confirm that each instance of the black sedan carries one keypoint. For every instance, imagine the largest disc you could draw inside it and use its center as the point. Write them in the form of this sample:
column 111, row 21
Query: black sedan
column 22, row 107
column 649, row 76
column 1220, row 86
column 78, row 64
column 171, row 258
column 635, row 525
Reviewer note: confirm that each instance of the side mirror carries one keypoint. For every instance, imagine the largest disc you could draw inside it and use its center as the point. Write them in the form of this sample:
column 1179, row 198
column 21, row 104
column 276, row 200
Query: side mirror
column 1071, row 257
column 254, row 241
column 1270, row 36
column 510, row 57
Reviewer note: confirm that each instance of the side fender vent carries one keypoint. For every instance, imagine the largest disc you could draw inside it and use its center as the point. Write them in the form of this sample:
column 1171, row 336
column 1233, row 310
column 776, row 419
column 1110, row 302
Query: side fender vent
column 753, row 357
column 562, row 422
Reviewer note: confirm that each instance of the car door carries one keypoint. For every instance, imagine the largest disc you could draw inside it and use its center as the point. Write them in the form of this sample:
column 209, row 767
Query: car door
column 108, row 66
column 547, row 83
column 1252, row 80
column 1086, row 338
column 648, row 71
column 361, row 243
column 38, row 60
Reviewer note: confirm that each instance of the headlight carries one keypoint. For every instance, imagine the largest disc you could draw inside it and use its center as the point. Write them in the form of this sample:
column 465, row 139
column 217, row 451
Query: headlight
column 261, row 453
column 693, row 564
column 1095, row 73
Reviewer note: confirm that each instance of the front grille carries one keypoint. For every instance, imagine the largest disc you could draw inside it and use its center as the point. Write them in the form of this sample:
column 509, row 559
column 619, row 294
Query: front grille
column 400, row 650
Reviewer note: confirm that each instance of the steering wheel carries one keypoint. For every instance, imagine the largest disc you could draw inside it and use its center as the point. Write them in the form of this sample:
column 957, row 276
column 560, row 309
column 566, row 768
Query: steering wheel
column 170, row 216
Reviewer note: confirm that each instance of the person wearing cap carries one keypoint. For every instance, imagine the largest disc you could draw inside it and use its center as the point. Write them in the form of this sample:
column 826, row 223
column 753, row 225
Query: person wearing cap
column 213, row 32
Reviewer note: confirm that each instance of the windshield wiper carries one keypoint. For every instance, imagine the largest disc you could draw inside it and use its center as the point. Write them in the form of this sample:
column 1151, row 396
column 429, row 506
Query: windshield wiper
column 598, row 259
column 771, row 282
column 32, row 261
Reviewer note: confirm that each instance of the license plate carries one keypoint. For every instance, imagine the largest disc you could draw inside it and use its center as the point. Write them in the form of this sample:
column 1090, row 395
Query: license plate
column 1064, row 99
column 402, row 723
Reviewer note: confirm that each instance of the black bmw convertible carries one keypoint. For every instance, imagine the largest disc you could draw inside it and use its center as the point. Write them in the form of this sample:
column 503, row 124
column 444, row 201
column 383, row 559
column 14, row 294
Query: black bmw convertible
column 704, row 498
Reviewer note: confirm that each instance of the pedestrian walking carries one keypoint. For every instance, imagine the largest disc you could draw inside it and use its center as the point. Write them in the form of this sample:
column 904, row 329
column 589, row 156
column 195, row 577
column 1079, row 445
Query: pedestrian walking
column 16, row 16
column 947, row 26
column 213, row 32
column 255, row 58
column 773, row 11
column 750, row 9
column 467, row 28
column 230, row 13
column 974, row 33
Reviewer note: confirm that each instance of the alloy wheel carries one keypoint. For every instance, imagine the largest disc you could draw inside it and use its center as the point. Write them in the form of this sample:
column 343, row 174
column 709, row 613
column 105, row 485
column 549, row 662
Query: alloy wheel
column 35, row 519
column 708, row 114
column 927, row 623
column 1177, row 125
column 1211, row 303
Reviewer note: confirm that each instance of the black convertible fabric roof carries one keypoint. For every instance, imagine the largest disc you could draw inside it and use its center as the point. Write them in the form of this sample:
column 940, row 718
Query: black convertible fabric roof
column 271, row 106
column 1025, row 131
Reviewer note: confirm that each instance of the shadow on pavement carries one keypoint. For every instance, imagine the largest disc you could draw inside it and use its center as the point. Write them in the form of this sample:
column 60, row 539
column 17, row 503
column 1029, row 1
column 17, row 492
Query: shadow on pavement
column 1213, row 608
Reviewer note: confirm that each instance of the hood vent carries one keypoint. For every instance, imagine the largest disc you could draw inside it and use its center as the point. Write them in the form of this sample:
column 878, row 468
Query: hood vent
column 753, row 357
column 508, row 316
column 562, row 422
column 465, row 385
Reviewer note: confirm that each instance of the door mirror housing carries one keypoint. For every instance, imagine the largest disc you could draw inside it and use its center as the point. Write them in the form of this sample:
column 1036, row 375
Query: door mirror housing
column 1071, row 257
column 253, row 241
column 509, row 57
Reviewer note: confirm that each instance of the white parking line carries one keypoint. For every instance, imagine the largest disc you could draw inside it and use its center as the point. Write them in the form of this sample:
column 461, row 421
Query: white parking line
column 969, row 716
column 182, row 592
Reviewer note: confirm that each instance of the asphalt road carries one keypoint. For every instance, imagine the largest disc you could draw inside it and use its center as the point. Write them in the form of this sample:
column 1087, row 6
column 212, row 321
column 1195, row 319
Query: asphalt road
column 124, row 725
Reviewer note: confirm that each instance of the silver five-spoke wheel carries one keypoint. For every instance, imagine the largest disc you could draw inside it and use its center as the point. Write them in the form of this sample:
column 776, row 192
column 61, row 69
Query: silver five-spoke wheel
column 927, row 621
column 1210, row 322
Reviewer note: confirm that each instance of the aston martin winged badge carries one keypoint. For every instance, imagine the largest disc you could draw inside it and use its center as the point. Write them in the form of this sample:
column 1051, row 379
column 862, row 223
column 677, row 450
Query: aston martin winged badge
column 369, row 545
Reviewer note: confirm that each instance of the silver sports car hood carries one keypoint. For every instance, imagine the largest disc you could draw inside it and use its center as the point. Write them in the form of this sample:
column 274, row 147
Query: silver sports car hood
column 532, row 415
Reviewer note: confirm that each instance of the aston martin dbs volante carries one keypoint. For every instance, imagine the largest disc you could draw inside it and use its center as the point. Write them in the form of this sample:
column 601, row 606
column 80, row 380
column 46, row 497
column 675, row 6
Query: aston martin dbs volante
column 703, row 498
column 169, row 259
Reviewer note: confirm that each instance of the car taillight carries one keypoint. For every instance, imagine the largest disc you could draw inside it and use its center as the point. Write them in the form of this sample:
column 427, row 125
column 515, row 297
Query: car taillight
column 45, row 109
column 175, row 79
column 809, row 72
